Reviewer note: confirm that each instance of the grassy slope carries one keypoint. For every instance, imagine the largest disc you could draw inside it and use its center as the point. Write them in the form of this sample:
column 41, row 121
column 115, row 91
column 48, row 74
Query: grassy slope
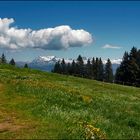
column 36, row 104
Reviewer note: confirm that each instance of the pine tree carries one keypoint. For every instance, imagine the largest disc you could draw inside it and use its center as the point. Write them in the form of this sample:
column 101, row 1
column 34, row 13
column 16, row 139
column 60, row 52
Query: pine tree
column 108, row 71
column 133, row 54
column 80, row 66
column 12, row 62
column 80, row 60
column 101, row 70
column 96, row 74
column 122, row 72
column 63, row 66
column 138, row 63
column 134, row 66
column 129, row 71
column 59, row 67
column 138, row 58
column 88, row 69
column 93, row 68
column 3, row 59
column 73, row 68
column 77, row 70
column 26, row 65
column 68, row 69
column 55, row 70
column 118, row 76
column 133, row 71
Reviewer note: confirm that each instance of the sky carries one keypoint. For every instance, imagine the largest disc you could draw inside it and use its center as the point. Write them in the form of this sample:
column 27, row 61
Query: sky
column 68, row 28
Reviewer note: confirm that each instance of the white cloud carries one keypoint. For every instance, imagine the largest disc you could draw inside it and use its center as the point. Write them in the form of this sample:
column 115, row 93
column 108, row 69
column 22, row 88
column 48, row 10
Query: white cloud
column 60, row 37
column 108, row 46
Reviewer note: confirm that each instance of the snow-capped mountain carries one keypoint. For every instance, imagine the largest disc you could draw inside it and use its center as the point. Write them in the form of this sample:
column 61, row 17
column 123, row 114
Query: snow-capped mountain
column 46, row 60
column 54, row 59
column 49, row 60
column 46, row 63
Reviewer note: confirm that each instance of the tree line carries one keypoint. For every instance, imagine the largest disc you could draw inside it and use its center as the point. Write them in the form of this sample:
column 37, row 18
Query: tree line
column 94, row 69
column 11, row 62
column 128, row 72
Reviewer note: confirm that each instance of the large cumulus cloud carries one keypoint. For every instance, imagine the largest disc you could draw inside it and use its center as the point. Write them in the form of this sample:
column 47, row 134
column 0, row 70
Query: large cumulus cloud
column 60, row 37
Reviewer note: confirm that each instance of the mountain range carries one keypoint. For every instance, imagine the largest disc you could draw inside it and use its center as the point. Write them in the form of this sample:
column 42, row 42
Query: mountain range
column 46, row 63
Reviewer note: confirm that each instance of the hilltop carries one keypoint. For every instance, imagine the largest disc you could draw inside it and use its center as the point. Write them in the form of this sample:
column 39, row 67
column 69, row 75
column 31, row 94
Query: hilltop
column 35, row 104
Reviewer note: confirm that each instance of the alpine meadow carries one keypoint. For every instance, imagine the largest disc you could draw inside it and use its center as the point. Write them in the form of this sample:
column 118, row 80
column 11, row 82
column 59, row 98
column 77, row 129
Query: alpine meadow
column 38, row 105
column 69, row 70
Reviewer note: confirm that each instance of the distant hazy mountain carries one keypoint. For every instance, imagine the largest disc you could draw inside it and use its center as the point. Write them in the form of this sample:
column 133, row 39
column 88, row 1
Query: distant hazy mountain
column 46, row 63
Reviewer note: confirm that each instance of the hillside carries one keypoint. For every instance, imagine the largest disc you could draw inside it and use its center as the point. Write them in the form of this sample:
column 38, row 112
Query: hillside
column 35, row 104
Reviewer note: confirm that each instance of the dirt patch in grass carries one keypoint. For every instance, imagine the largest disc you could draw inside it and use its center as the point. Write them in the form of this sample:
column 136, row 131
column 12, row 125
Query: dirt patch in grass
column 9, row 122
column 12, row 122
column 8, row 126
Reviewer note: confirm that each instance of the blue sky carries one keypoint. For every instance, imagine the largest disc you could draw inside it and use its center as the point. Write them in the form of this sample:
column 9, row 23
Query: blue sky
column 113, row 24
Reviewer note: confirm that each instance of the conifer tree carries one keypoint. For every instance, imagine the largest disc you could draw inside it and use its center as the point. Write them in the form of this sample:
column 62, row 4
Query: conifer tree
column 59, row 67
column 88, row 69
column 80, row 66
column 122, row 72
column 68, row 69
column 129, row 71
column 133, row 71
column 55, row 70
column 138, row 63
column 63, row 67
column 96, row 74
column 93, row 68
column 138, row 58
column 26, row 65
column 3, row 59
column 108, row 71
column 133, row 53
column 134, row 65
column 73, row 68
column 80, row 60
column 12, row 62
column 101, row 70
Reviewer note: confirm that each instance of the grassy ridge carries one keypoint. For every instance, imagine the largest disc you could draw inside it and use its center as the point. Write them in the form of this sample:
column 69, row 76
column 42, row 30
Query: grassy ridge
column 36, row 104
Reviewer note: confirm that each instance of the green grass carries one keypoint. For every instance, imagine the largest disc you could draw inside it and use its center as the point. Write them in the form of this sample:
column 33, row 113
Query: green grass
column 35, row 104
